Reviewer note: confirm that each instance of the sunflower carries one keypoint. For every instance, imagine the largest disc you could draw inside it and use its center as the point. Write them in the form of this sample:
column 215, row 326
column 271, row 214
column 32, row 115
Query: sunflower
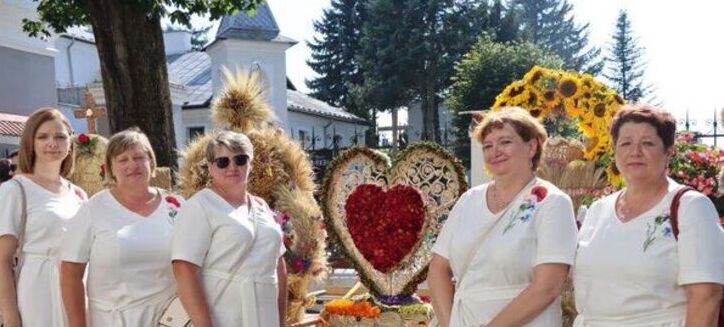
column 568, row 87
column 535, row 74
column 614, row 176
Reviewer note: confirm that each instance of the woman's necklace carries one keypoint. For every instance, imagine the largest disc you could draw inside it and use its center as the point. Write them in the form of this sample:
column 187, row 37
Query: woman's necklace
column 496, row 199
column 626, row 211
column 498, row 202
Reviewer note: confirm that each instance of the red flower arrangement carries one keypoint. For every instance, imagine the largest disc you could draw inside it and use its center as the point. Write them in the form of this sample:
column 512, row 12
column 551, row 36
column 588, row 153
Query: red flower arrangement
column 85, row 143
column 83, row 139
column 385, row 225
column 700, row 167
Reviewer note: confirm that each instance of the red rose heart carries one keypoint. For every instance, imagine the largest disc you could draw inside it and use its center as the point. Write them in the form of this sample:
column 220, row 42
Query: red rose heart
column 385, row 225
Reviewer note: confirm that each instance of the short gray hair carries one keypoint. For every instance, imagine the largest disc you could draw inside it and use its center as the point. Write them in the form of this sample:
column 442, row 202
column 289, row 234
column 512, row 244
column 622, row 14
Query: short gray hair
column 236, row 142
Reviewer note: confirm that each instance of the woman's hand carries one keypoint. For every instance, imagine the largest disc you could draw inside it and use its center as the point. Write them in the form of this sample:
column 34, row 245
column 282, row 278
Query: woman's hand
column 703, row 302
column 439, row 277
column 191, row 293
column 282, row 299
column 8, row 295
column 73, row 292
column 549, row 279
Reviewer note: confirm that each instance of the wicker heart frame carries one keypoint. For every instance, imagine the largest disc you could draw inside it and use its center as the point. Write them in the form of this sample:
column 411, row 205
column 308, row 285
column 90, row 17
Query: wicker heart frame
column 427, row 167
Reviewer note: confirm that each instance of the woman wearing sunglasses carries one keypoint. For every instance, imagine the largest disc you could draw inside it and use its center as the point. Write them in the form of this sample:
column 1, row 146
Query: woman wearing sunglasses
column 227, row 248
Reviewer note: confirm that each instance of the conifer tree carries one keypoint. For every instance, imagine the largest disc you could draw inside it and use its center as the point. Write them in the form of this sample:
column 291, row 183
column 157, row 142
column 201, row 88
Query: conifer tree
column 624, row 68
column 551, row 25
column 334, row 56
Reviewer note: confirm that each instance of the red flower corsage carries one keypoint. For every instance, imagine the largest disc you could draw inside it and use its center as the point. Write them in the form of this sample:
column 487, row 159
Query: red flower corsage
column 540, row 193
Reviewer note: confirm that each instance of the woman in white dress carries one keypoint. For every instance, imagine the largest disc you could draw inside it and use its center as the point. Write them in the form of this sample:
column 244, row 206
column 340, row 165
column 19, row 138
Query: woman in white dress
column 45, row 159
column 630, row 269
column 227, row 247
column 123, row 237
column 509, row 243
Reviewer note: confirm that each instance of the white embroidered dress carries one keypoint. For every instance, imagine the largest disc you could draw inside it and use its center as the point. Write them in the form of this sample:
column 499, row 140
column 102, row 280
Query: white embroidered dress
column 129, row 277
column 530, row 232
column 38, row 285
column 631, row 274
column 239, row 278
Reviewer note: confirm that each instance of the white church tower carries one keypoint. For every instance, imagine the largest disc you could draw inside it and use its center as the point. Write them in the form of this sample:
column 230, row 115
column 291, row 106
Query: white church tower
column 253, row 43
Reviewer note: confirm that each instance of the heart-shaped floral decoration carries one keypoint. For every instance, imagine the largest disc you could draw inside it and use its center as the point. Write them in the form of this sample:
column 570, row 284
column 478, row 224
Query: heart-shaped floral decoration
column 386, row 216
column 385, row 225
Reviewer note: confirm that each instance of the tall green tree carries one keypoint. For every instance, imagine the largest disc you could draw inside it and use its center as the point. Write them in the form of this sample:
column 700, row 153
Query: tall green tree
column 482, row 74
column 129, row 40
column 334, row 54
column 550, row 24
column 408, row 52
column 625, row 68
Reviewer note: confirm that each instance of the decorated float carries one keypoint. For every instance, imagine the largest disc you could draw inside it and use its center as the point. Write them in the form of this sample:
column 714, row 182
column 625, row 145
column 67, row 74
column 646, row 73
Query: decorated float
column 385, row 215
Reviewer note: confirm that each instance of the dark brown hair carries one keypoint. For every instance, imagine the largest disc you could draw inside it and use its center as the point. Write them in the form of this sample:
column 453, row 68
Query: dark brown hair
column 663, row 122
column 26, row 156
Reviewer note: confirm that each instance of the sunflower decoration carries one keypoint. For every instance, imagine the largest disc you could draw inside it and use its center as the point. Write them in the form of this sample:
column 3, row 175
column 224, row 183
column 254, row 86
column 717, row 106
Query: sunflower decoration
column 550, row 94
column 282, row 175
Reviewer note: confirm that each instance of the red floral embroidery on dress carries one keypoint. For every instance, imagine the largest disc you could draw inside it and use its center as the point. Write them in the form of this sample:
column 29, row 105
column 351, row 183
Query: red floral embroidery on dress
column 173, row 205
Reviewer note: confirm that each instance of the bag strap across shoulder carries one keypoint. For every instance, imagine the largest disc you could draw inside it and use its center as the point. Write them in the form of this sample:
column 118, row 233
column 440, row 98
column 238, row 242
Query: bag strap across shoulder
column 481, row 240
column 24, row 213
column 674, row 210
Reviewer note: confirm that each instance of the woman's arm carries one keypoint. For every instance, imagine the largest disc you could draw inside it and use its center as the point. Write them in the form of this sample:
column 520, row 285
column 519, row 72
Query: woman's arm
column 548, row 282
column 8, row 295
column 191, row 293
column 439, row 278
column 282, row 300
column 703, row 301
column 73, row 292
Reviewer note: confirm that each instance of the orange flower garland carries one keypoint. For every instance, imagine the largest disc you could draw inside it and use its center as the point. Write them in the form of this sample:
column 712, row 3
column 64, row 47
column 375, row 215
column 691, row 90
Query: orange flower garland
column 345, row 307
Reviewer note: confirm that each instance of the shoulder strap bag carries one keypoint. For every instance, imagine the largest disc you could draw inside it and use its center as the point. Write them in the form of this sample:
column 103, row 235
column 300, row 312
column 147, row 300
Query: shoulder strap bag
column 21, row 232
column 674, row 219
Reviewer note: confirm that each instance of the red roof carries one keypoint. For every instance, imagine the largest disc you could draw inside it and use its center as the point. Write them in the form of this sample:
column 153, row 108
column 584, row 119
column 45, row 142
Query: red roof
column 12, row 125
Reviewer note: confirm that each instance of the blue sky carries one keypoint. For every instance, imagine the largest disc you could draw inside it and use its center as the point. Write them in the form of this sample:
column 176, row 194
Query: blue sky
column 683, row 44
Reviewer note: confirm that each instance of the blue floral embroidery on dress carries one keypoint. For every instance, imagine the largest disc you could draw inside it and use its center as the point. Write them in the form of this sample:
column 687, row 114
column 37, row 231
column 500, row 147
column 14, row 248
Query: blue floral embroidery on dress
column 652, row 229
column 524, row 214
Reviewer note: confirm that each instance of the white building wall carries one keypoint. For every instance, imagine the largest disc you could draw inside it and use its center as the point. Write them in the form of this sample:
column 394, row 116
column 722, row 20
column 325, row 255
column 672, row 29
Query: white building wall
column 323, row 130
column 268, row 57
column 77, row 63
column 415, row 122
column 12, row 13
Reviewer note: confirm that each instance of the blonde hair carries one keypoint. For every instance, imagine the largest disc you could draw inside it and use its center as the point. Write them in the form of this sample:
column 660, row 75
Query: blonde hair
column 122, row 141
column 26, row 155
column 236, row 142
column 525, row 125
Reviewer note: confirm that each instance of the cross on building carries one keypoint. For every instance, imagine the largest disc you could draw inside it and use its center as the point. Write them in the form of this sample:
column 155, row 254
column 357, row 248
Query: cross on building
column 90, row 112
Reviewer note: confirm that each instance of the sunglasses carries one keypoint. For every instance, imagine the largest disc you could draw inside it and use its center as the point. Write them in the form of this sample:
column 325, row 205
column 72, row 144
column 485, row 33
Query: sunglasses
column 239, row 159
